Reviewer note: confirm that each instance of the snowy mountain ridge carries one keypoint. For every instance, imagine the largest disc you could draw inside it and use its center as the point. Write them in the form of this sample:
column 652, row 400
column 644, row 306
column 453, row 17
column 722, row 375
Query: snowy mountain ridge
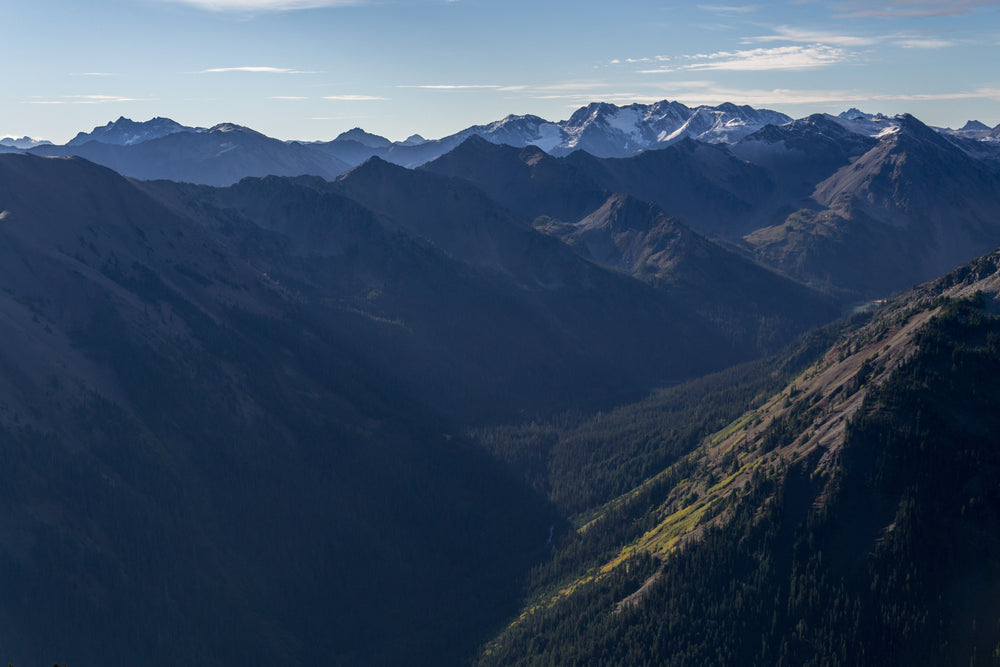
column 601, row 129
column 127, row 132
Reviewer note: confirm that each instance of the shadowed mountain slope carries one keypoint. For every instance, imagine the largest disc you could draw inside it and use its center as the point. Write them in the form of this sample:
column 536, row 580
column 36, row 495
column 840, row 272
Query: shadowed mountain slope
column 911, row 207
column 528, row 181
column 199, row 467
column 620, row 232
column 800, row 154
column 703, row 185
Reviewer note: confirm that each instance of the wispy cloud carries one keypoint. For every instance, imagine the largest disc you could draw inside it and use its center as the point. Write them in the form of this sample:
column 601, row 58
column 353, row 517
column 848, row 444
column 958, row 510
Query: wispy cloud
column 572, row 85
column 354, row 98
column 100, row 99
column 923, row 43
column 910, row 8
column 729, row 10
column 786, row 33
column 769, row 59
column 632, row 61
column 702, row 94
column 909, row 40
column 452, row 86
column 696, row 92
column 566, row 90
column 87, row 99
column 263, row 5
column 254, row 70
column 978, row 94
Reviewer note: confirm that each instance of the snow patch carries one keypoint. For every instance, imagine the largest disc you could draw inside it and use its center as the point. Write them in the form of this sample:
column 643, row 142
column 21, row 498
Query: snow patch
column 627, row 122
column 870, row 126
column 549, row 136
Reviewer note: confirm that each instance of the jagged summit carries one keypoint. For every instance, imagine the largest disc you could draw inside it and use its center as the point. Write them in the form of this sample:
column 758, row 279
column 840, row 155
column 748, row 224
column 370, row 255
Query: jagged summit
column 855, row 114
column 127, row 132
column 606, row 130
column 601, row 129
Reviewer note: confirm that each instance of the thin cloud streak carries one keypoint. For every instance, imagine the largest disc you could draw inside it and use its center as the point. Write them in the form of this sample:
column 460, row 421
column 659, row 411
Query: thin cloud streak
column 918, row 43
column 780, row 96
column 264, row 5
column 694, row 93
column 911, row 8
column 786, row 33
column 104, row 99
column 253, row 70
column 354, row 98
column 761, row 60
column 89, row 99
column 729, row 10
column 453, row 86
column 580, row 86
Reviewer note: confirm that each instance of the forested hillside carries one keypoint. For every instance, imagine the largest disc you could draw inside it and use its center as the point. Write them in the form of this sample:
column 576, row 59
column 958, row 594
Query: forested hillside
column 848, row 519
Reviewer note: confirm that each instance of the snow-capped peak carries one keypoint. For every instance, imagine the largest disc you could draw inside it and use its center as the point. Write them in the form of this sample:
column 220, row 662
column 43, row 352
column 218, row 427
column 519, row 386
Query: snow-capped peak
column 23, row 143
column 872, row 125
column 413, row 140
column 126, row 132
column 888, row 131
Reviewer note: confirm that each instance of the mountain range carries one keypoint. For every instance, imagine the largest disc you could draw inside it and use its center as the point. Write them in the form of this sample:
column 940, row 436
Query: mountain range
column 819, row 199
column 208, row 394
column 21, row 143
column 815, row 198
column 651, row 385
column 600, row 129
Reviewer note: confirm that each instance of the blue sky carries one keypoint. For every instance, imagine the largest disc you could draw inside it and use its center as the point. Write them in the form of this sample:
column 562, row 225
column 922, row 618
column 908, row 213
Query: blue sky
column 310, row 69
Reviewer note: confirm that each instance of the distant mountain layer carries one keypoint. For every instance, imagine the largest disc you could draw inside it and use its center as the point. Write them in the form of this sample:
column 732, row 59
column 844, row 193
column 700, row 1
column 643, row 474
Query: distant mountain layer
column 220, row 155
column 599, row 129
column 198, row 155
column 858, row 206
column 126, row 132
column 22, row 143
